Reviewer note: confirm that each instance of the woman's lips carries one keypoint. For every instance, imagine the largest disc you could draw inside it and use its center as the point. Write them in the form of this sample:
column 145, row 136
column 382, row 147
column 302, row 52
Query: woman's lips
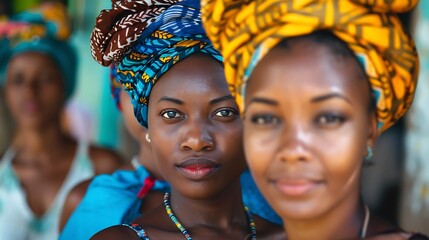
column 198, row 168
column 296, row 187
column 31, row 107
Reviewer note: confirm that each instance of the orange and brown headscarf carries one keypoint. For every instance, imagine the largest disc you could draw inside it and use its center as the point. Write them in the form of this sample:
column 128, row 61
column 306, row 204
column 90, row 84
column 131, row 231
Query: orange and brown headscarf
column 246, row 30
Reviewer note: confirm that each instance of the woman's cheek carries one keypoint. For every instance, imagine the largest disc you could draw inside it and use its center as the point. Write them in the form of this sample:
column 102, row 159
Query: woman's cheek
column 342, row 162
column 257, row 152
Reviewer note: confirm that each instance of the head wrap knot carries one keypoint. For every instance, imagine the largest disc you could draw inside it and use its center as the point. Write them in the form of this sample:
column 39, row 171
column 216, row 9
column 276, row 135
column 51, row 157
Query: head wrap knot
column 145, row 39
column 244, row 31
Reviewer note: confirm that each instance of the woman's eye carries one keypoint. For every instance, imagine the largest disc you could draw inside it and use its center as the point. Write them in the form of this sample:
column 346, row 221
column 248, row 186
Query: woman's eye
column 16, row 81
column 225, row 113
column 330, row 119
column 171, row 114
column 265, row 119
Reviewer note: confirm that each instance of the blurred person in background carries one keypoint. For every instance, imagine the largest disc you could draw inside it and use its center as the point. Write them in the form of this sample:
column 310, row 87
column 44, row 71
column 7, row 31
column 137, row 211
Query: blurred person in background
column 42, row 163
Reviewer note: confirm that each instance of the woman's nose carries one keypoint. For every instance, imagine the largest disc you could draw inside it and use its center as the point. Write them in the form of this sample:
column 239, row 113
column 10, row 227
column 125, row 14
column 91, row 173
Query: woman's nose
column 293, row 145
column 197, row 138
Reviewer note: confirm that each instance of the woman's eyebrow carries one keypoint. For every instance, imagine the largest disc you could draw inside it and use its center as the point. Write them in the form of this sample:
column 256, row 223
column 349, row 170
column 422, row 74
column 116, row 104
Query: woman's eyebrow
column 329, row 96
column 221, row 99
column 170, row 99
column 263, row 101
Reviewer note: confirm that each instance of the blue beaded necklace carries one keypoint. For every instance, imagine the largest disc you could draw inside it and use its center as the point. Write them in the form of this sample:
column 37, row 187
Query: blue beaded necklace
column 185, row 233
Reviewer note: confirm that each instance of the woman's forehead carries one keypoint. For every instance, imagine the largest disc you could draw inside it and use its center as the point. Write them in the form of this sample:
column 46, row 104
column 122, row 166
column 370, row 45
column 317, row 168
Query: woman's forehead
column 306, row 67
column 193, row 75
column 33, row 63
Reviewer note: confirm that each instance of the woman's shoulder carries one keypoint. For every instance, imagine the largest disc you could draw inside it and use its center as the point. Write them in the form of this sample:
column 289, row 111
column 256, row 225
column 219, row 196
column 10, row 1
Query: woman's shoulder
column 384, row 230
column 418, row 236
column 106, row 160
column 116, row 232
column 73, row 199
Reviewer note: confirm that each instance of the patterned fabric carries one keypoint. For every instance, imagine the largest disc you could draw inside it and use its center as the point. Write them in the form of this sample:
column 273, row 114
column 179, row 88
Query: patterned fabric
column 244, row 31
column 44, row 29
column 117, row 29
column 115, row 86
column 145, row 40
column 141, row 233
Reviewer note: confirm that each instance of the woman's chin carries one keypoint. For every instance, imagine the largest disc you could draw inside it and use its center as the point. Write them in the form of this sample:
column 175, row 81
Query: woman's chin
column 298, row 210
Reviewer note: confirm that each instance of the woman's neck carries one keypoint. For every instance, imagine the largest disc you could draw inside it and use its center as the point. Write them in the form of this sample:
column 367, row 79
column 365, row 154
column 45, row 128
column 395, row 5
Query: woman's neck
column 38, row 141
column 222, row 212
column 344, row 221
column 145, row 158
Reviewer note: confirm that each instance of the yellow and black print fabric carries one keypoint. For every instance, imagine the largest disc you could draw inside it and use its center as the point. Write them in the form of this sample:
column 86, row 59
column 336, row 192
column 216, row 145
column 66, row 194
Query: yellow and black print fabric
column 245, row 30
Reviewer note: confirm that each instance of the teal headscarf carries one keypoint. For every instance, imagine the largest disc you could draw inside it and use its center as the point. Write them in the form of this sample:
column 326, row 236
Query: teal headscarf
column 45, row 30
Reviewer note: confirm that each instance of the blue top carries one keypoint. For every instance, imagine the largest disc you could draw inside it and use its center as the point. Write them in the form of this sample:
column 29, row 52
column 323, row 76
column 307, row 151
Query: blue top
column 112, row 200
column 255, row 201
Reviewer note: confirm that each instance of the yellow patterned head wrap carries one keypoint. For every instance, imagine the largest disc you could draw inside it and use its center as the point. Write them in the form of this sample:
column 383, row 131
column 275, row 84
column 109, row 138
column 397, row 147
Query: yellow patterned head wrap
column 245, row 31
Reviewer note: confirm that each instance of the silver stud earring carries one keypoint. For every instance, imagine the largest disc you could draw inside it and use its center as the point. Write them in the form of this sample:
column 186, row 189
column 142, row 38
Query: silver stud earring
column 147, row 137
column 368, row 153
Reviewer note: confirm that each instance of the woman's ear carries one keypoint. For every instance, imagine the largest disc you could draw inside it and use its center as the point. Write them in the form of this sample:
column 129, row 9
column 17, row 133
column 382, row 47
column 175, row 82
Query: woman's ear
column 373, row 132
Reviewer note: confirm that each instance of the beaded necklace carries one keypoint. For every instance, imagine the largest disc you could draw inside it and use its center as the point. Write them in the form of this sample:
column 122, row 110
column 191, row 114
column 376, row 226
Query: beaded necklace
column 185, row 233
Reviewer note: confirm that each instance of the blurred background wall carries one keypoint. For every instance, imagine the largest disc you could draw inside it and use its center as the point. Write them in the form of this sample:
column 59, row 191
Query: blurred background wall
column 415, row 191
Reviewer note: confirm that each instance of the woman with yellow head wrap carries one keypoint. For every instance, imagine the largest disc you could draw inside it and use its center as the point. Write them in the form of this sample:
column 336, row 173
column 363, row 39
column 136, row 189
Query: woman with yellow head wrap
column 296, row 70
column 245, row 31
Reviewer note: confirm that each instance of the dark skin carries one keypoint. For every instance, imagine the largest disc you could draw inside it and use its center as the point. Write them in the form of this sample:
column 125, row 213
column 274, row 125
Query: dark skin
column 201, row 120
column 35, row 96
column 152, row 199
column 305, row 134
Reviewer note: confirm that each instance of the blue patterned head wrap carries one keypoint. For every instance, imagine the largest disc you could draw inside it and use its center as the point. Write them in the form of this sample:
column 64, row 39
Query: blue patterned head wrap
column 45, row 30
column 115, row 86
column 161, row 35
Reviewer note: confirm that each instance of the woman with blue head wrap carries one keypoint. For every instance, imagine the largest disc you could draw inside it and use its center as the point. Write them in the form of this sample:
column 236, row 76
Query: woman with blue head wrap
column 38, row 70
column 176, row 83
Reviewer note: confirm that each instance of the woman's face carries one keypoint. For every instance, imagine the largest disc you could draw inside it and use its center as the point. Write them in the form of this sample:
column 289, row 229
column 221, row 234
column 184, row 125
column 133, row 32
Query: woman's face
column 34, row 89
column 195, row 129
column 307, row 127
